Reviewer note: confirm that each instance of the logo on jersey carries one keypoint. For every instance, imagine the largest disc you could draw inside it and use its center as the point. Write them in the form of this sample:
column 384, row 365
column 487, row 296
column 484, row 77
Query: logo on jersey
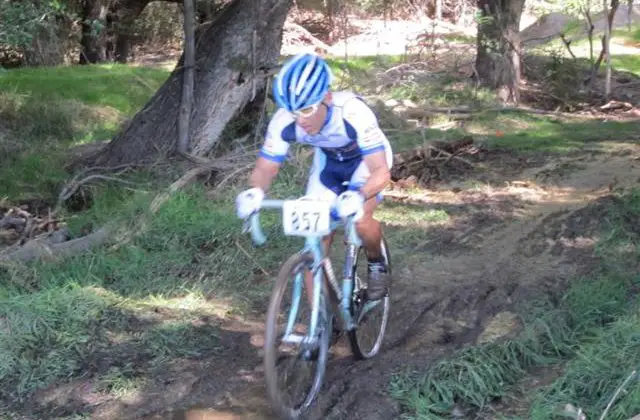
column 371, row 134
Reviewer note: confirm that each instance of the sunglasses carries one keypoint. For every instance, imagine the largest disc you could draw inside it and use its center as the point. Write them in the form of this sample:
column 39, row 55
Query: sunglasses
column 306, row 112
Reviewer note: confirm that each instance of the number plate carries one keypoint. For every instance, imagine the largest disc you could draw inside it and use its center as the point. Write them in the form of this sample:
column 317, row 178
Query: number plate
column 306, row 217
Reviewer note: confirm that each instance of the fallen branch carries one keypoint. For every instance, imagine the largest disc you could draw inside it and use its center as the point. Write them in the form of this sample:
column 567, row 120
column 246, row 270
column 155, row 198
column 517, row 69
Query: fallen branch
column 232, row 174
column 72, row 189
column 417, row 113
column 12, row 222
column 43, row 249
column 47, row 246
column 567, row 43
column 81, row 178
column 423, row 163
column 186, row 179
column 452, row 156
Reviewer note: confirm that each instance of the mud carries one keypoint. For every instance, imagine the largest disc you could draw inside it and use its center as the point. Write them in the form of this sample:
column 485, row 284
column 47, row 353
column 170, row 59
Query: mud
column 505, row 243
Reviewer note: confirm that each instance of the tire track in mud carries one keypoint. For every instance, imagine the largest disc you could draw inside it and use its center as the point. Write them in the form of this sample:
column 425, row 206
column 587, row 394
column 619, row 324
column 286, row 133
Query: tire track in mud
column 445, row 299
column 463, row 293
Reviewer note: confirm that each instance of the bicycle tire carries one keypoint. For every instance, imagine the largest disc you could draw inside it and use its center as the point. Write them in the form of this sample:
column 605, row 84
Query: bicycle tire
column 357, row 347
column 289, row 268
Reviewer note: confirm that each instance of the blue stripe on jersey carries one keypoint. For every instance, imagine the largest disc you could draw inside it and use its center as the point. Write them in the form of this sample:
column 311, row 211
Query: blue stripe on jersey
column 372, row 150
column 273, row 158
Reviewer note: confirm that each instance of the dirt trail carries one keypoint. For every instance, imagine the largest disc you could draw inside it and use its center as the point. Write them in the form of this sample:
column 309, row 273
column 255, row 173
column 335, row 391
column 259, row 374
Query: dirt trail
column 504, row 245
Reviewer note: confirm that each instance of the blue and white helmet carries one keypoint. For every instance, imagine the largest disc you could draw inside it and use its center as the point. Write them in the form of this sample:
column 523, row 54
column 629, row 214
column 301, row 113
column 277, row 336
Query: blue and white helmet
column 303, row 81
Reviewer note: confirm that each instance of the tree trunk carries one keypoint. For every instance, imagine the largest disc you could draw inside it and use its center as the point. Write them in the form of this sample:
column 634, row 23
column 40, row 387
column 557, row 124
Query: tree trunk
column 123, row 15
column 498, row 57
column 610, row 13
column 123, row 46
column 595, row 68
column 94, row 22
column 187, row 77
column 225, row 74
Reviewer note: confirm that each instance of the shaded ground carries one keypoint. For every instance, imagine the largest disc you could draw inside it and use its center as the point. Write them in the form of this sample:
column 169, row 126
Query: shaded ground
column 457, row 278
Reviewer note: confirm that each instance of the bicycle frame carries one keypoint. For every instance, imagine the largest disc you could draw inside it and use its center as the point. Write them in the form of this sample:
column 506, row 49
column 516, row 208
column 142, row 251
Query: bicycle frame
column 313, row 245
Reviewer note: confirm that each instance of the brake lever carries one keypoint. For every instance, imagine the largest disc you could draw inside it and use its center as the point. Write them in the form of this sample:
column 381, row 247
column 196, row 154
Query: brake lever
column 246, row 225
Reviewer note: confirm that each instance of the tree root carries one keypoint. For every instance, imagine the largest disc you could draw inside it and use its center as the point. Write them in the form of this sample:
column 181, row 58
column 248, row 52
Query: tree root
column 44, row 249
column 47, row 246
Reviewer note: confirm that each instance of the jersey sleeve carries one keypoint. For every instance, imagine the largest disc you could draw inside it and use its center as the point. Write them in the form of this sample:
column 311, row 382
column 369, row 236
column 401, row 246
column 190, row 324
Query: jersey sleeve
column 369, row 136
column 276, row 142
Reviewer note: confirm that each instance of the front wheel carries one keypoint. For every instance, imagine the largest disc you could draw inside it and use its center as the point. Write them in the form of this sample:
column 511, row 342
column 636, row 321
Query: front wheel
column 294, row 370
column 370, row 317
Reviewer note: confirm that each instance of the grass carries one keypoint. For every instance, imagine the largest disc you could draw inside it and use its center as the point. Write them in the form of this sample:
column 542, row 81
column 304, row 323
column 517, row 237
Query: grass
column 57, row 318
column 630, row 63
column 525, row 133
column 575, row 31
column 595, row 328
column 49, row 110
column 121, row 87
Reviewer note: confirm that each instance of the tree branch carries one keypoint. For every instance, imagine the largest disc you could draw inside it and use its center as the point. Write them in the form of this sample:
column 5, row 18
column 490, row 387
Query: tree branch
column 184, row 116
column 41, row 249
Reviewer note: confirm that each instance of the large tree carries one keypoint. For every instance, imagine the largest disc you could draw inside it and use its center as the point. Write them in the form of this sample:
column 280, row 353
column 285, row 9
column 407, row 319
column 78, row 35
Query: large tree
column 233, row 54
column 498, row 58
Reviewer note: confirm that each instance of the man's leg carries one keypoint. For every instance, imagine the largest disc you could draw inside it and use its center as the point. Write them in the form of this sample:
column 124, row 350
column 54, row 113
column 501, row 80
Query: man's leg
column 370, row 232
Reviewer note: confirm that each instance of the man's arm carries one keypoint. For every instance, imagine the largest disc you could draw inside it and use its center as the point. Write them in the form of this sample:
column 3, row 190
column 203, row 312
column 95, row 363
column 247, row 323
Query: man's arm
column 379, row 174
column 263, row 173
column 273, row 152
column 371, row 141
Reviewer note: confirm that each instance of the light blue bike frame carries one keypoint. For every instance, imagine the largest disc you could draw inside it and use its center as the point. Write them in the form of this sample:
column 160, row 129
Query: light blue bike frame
column 313, row 245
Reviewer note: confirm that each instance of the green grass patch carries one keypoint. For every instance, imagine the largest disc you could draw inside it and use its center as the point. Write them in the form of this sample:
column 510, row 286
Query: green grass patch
column 55, row 318
column 576, row 31
column 629, row 62
column 600, row 366
column 43, row 335
column 121, row 87
column 444, row 90
column 45, row 110
column 190, row 237
column 525, row 132
column 395, row 214
column 595, row 326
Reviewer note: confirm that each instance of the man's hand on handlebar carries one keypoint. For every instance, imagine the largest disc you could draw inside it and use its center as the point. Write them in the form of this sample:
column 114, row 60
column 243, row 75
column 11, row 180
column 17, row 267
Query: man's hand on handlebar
column 248, row 202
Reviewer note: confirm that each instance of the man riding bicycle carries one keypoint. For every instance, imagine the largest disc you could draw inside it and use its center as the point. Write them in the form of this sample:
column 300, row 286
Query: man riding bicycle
column 350, row 148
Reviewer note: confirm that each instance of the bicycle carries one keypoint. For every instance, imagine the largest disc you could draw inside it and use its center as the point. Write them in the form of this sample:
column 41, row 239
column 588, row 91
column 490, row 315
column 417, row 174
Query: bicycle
column 313, row 220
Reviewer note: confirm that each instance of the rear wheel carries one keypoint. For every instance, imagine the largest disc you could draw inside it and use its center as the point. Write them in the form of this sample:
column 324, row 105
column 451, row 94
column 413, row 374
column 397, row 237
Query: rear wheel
column 370, row 317
column 294, row 371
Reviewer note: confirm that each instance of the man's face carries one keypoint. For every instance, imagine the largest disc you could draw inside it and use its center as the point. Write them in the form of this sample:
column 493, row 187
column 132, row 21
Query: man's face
column 312, row 119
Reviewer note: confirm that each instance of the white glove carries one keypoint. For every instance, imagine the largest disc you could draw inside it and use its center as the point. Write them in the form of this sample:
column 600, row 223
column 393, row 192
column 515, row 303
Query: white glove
column 248, row 201
column 350, row 203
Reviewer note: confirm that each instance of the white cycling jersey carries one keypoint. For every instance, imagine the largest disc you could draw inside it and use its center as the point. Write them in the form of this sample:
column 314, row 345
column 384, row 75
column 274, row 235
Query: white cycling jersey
column 350, row 132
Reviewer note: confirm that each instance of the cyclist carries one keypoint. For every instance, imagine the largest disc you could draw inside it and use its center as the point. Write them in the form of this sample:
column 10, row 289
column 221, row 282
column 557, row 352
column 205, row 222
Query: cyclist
column 349, row 147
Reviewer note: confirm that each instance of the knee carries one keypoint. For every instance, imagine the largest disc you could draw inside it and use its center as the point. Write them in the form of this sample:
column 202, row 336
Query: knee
column 367, row 222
